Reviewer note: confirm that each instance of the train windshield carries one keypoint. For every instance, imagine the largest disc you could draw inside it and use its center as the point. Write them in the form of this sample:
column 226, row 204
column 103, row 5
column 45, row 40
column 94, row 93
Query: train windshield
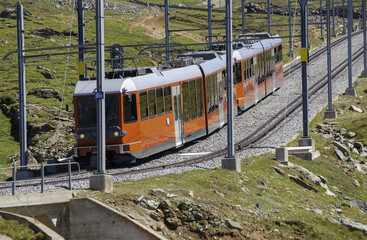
column 87, row 112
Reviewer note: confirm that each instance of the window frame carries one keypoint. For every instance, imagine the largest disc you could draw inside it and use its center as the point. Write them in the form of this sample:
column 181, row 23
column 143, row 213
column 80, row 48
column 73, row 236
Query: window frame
column 136, row 111
column 146, row 107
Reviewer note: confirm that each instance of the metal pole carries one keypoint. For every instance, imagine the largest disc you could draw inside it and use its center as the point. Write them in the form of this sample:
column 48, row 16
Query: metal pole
column 42, row 177
column 350, row 90
column 210, row 21
column 350, row 27
column 321, row 27
column 328, row 55
column 344, row 32
column 243, row 16
column 81, row 64
column 304, row 60
column 14, row 178
column 364, row 73
column 69, row 172
column 307, row 32
column 100, row 98
column 22, row 88
column 269, row 23
column 229, row 62
column 333, row 19
column 290, row 54
column 166, row 20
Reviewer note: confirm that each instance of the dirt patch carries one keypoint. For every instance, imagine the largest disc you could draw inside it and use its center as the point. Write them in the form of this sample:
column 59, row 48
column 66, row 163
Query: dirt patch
column 154, row 25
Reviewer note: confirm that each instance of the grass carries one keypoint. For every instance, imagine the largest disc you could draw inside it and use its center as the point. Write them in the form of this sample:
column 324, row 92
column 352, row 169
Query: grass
column 8, row 145
column 18, row 231
column 283, row 203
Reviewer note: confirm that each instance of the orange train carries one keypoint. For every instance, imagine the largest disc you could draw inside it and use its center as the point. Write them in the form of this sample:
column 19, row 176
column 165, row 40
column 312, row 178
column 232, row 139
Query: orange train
column 150, row 109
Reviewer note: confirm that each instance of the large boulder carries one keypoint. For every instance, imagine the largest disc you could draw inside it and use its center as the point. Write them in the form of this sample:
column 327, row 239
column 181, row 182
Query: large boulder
column 46, row 93
column 11, row 13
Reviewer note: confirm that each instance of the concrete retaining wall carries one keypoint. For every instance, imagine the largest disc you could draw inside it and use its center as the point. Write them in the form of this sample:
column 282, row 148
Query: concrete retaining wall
column 89, row 219
column 75, row 218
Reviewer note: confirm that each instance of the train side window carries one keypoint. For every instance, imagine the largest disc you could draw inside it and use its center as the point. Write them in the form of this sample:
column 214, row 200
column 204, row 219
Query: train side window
column 252, row 68
column 244, row 70
column 215, row 85
column 238, row 72
column 281, row 52
column 258, row 68
column 200, row 94
column 267, row 62
column 208, row 93
column 167, row 99
column 224, row 80
column 143, row 105
column 130, row 113
column 160, row 106
column 152, row 104
column 186, row 101
column 193, row 102
column 248, row 68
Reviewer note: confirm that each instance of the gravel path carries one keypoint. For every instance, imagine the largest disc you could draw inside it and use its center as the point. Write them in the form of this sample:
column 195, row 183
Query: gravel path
column 248, row 122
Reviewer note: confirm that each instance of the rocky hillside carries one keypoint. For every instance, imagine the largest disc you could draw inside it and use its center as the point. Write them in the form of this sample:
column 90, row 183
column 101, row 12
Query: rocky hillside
column 50, row 81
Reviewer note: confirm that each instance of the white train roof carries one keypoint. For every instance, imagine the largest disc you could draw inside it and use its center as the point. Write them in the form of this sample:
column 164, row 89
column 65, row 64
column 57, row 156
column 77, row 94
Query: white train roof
column 147, row 81
column 213, row 65
column 170, row 76
column 255, row 48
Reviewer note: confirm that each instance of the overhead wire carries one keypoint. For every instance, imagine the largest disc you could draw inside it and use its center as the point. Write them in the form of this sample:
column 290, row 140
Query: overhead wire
column 65, row 75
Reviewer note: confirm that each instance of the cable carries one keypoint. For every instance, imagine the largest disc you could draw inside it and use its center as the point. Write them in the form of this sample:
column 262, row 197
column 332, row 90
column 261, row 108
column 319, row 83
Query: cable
column 63, row 89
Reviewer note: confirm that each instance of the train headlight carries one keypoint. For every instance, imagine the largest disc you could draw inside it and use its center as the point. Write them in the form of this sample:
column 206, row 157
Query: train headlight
column 116, row 134
column 81, row 136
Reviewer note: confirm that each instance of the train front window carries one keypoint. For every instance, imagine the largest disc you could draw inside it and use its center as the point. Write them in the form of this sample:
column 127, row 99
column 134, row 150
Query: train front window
column 87, row 112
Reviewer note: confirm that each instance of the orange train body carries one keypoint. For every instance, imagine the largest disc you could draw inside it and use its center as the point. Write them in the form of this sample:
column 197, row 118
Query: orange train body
column 150, row 110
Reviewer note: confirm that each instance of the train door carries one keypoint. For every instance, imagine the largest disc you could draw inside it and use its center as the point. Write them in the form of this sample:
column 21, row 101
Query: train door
column 220, row 89
column 176, row 93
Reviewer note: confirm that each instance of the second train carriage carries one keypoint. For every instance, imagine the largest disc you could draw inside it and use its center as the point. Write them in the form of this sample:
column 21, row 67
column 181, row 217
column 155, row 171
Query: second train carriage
column 150, row 110
column 258, row 68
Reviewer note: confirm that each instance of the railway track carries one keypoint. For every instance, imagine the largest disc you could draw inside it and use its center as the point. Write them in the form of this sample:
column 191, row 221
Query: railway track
column 241, row 145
